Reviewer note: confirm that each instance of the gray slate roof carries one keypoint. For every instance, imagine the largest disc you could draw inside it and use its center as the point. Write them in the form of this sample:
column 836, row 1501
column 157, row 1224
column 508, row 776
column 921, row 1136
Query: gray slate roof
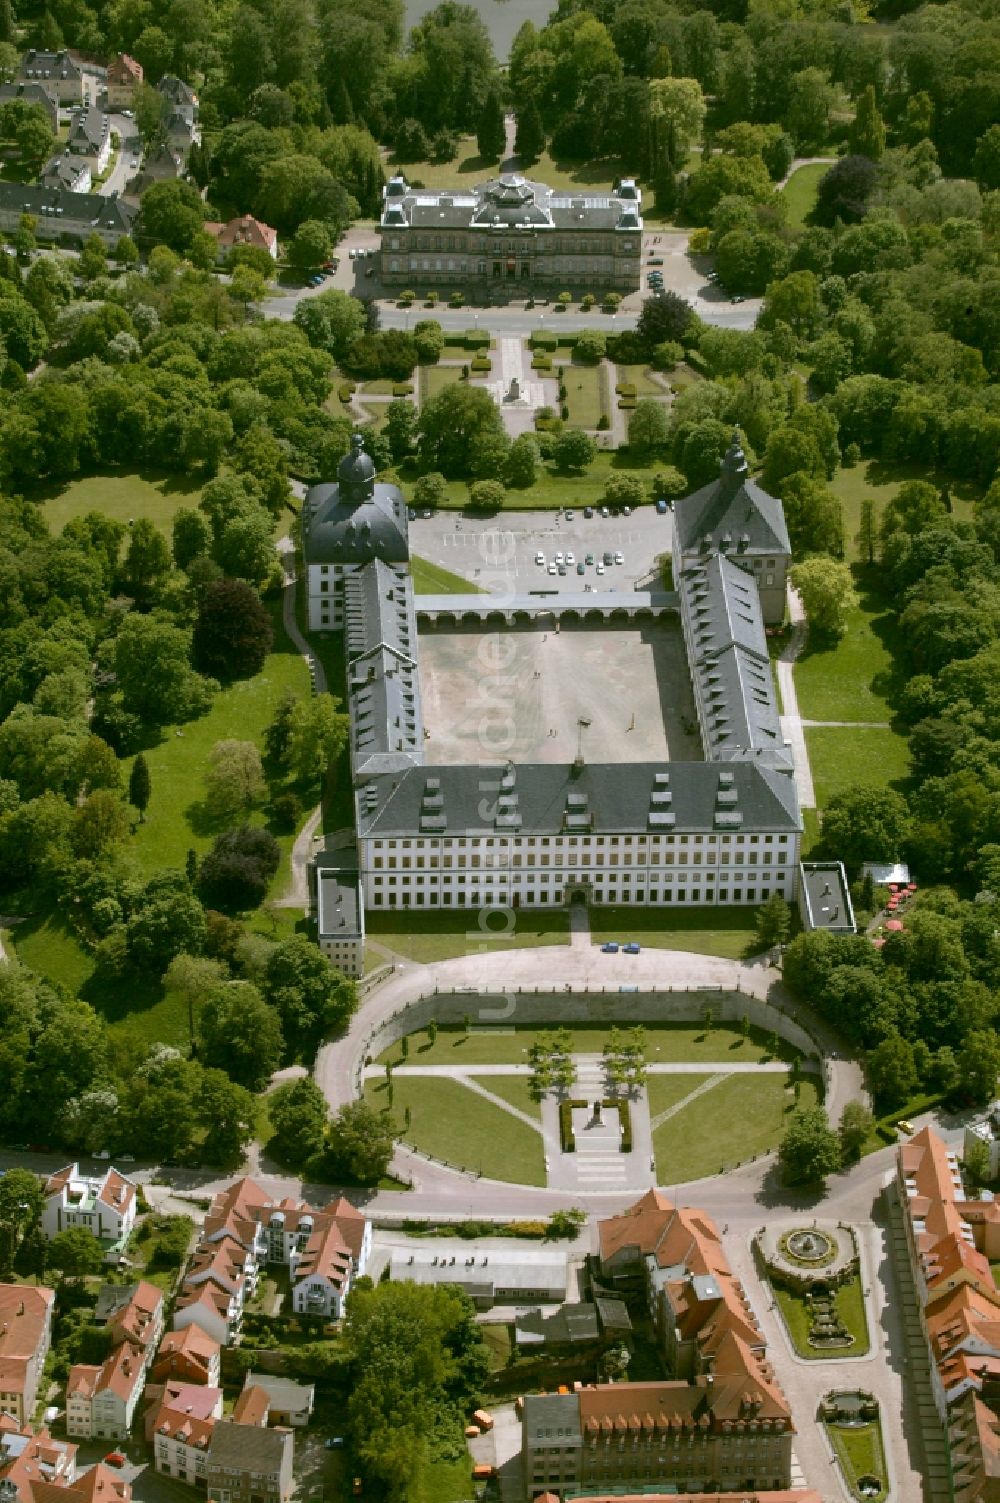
column 510, row 202
column 88, row 130
column 383, row 700
column 35, row 64
column 730, row 668
column 62, row 172
column 31, row 93
column 284, row 1393
column 76, row 213
column 177, row 91
column 378, row 610
column 338, row 907
column 568, row 1323
column 733, row 514
column 247, row 1448
column 551, row 1416
column 356, row 520
column 554, row 799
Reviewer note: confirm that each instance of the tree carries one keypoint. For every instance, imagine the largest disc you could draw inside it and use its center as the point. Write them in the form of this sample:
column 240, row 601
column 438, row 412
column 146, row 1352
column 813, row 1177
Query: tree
column 827, row 592
column 167, row 918
column 428, row 338
column 154, row 674
column 865, row 822
column 591, row 346
column 521, row 465
column 34, row 140
column 856, row 1126
column 529, row 140
column 299, row 1116
column 810, row 1149
column 237, row 871
column 430, row 490
column 173, row 213
column 93, row 260
column 892, row 1072
column 810, row 101
column 332, row 321
column 234, row 779
column 574, row 450
column 461, row 432
column 75, row 1252
column 140, row 786
column 317, row 734
column 228, row 1111
column 979, row 1065
column 623, row 490
column 845, row 191
column 147, row 561
column 487, row 495
column 311, row 245
column 976, row 1168
column 21, row 1204
column 400, row 427
column 193, row 977
column 240, row 1033
column 649, row 429
column 313, row 999
column 191, row 536
column 245, row 549
column 868, row 130
column 232, row 635
column 667, row 317
column 676, row 115
column 361, row 1142
column 986, row 161
column 491, row 132
column 868, row 531
column 565, row 1224
column 813, row 514
column 98, row 823
column 774, row 922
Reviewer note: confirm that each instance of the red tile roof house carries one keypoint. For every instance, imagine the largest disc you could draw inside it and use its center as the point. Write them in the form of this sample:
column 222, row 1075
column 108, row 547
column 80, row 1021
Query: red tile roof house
column 179, row 1423
column 244, row 230
column 29, row 1460
column 951, row 1241
column 124, row 77
column 104, row 1204
column 25, row 1337
column 188, row 1356
column 101, row 1401
column 221, row 1277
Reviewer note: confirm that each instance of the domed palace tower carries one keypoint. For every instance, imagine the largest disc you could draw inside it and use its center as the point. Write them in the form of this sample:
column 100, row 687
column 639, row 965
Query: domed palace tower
column 344, row 527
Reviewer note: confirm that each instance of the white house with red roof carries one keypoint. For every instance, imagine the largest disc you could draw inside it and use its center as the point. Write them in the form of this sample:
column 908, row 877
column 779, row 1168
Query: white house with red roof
column 25, row 1337
column 337, row 1251
column 243, row 230
column 104, row 1204
column 179, row 1424
column 101, row 1400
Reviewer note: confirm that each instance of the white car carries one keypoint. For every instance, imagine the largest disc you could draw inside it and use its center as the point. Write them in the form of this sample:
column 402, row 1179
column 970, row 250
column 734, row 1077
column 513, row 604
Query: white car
column 558, row 559
column 599, row 569
column 619, row 558
column 552, row 569
column 539, row 558
column 571, row 558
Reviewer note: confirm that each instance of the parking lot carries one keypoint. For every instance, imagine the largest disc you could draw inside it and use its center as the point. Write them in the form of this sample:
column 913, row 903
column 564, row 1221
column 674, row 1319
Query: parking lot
column 498, row 553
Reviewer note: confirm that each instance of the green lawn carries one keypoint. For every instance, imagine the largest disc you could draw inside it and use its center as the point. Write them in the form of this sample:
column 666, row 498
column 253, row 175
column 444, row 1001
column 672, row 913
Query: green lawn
column 498, row 1339
column 840, row 758
column 666, row 1043
column 550, row 488
column 640, row 378
column 664, row 1091
column 444, row 1482
column 455, row 1124
column 135, row 1007
column 431, row 579
column 176, row 819
column 859, row 1448
column 583, row 395
column 515, row 1089
column 729, row 932
column 434, row 378
column 848, row 681
column 877, row 482
column 850, row 1306
column 799, row 192
column 737, row 1119
column 469, row 168
column 439, row 936
column 123, row 496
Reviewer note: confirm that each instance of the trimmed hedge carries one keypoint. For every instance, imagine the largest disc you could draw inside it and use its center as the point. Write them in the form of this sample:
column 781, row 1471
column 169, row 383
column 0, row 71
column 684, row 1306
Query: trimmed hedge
column 566, row 1137
column 625, row 1118
column 402, row 389
column 482, row 363
column 627, row 403
column 697, row 362
column 475, row 339
column 540, row 362
column 625, row 389
column 346, row 390
column 544, row 339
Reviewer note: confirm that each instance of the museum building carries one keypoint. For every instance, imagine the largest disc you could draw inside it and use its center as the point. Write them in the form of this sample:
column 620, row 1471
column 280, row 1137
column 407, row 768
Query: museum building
column 511, row 235
column 718, row 831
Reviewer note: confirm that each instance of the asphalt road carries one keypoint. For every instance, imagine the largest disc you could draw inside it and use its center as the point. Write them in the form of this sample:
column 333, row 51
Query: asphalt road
column 129, row 151
column 501, row 558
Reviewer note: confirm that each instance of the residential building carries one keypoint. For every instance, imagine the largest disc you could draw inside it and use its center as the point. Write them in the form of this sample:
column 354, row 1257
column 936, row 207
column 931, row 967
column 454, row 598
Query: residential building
column 188, row 1356
column 247, row 1464
column 32, row 93
column 511, row 236
column 951, row 1243
column 104, row 1204
column 25, row 1337
column 735, row 516
column 124, row 77
column 179, row 1423
column 825, row 898
column 64, row 216
column 161, row 164
column 985, row 1132
column 90, row 138
column 243, row 230
column 722, row 1431
column 31, row 1462
column 179, row 96
column 69, row 173
column 58, row 73
column 288, row 1403
column 693, row 1297
column 336, row 1251
column 101, row 1400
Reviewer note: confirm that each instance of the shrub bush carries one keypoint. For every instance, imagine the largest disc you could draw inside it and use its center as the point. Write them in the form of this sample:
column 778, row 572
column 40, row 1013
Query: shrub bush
column 626, row 403
column 604, row 422
column 475, row 339
column 346, row 390
column 543, row 339
column 565, row 413
column 625, row 389
column 402, row 389
column 566, row 1137
column 482, row 363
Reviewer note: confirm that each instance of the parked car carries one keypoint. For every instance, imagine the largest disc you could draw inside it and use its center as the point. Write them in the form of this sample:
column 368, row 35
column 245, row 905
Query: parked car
column 115, row 1458
column 631, row 948
column 737, row 299
column 539, row 558
column 581, row 568
column 411, row 513
column 626, row 511
column 619, row 558
column 656, row 260
column 589, row 559
column 558, row 558
column 334, row 1442
column 661, row 506
column 599, row 569
column 611, row 948
column 571, row 557
column 425, row 513
column 552, row 568
column 605, row 512
column 609, row 558
column 570, row 514
column 588, row 511
column 562, row 570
